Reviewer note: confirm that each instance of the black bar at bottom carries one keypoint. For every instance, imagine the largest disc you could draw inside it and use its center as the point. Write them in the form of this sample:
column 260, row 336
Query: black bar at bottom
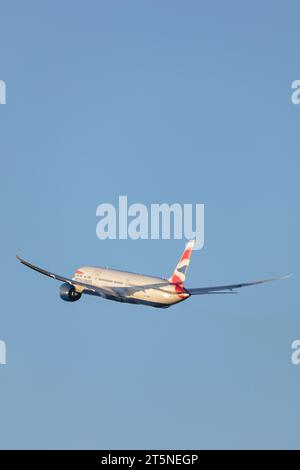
column 136, row 458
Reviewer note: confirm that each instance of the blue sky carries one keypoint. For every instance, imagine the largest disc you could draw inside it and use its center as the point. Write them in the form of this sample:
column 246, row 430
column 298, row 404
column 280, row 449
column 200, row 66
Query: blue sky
column 167, row 101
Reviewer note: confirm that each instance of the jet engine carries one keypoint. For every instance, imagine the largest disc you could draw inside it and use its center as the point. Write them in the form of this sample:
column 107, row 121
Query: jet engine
column 68, row 293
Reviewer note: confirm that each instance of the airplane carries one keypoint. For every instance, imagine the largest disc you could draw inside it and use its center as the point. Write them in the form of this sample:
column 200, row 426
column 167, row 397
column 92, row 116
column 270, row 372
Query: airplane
column 123, row 286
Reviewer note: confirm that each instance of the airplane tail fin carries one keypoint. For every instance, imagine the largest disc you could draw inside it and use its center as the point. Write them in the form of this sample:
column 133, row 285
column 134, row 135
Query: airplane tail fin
column 178, row 277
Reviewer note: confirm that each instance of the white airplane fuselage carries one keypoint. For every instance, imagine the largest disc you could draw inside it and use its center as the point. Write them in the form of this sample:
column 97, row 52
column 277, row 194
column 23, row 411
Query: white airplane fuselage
column 158, row 292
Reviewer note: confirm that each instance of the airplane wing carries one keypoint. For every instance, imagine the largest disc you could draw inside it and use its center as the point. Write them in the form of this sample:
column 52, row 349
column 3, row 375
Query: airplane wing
column 82, row 287
column 230, row 287
column 79, row 286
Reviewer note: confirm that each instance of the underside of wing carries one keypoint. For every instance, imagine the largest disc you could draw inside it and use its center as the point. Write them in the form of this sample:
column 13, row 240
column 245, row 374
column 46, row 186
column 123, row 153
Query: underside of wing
column 81, row 287
column 230, row 287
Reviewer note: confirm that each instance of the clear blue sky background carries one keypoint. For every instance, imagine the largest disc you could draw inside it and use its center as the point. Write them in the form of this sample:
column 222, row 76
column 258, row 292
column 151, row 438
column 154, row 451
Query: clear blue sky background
column 170, row 101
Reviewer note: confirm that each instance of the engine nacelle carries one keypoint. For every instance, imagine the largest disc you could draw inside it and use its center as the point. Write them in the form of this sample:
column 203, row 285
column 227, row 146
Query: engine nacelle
column 68, row 293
